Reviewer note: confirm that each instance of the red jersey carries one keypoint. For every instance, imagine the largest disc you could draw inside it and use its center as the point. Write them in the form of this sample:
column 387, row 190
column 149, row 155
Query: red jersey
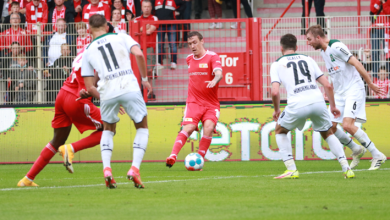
column 150, row 39
column 19, row 35
column 77, row 18
column 202, row 70
column 81, row 42
column 384, row 84
column 75, row 82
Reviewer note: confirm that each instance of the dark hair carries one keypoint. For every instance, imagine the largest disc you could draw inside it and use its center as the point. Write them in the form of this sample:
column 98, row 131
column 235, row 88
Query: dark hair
column 383, row 68
column 15, row 42
column 97, row 21
column 288, row 41
column 316, row 30
column 15, row 4
column 195, row 33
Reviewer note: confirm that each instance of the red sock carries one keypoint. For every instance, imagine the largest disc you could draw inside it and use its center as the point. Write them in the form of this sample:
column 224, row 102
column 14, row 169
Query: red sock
column 204, row 145
column 44, row 158
column 179, row 143
column 88, row 142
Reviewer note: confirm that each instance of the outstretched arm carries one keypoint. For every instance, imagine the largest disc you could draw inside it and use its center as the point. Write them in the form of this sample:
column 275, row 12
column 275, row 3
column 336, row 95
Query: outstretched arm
column 90, row 86
column 217, row 78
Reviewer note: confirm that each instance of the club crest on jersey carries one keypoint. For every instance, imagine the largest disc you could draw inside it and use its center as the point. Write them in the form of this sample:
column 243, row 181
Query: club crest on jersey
column 332, row 58
column 203, row 65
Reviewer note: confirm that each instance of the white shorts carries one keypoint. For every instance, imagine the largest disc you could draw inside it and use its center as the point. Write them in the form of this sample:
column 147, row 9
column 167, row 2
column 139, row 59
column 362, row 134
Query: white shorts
column 351, row 106
column 292, row 118
column 132, row 102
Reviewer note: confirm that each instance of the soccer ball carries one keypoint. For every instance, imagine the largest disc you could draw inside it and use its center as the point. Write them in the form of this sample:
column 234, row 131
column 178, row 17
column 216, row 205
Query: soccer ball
column 194, row 162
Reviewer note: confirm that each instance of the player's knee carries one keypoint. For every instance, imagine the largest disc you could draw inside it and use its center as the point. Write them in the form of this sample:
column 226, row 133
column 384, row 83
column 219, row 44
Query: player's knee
column 348, row 127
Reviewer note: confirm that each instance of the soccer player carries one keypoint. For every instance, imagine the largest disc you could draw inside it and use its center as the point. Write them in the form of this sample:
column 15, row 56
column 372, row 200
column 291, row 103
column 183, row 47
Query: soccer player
column 298, row 74
column 109, row 55
column 346, row 72
column 205, row 70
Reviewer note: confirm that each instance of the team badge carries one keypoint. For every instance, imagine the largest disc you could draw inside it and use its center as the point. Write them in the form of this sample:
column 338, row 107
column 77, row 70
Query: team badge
column 332, row 58
column 203, row 65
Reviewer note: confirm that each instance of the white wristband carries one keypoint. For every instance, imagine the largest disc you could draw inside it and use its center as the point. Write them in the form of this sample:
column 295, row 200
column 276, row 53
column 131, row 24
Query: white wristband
column 145, row 79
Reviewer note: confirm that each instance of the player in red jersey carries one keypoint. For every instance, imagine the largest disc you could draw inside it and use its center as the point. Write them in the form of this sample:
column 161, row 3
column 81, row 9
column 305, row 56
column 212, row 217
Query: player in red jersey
column 69, row 109
column 205, row 70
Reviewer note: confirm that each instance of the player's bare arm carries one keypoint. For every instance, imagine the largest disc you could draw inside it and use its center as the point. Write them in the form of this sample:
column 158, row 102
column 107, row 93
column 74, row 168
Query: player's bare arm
column 330, row 95
column 217, row 78
column 275, row 100
column 90, row 86
column 139, row 56
column 363, row 73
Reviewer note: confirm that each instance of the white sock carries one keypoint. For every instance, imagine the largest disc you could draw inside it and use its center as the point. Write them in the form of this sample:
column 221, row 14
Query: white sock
column 346, row 140
column 139, row 146
column 71, row 147
column 106, row 146
column 285, row 150
column 362, row 137
column 337, row 149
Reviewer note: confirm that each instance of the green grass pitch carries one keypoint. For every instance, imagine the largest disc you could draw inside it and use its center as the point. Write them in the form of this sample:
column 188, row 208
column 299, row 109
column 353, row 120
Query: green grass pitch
column 224, row 190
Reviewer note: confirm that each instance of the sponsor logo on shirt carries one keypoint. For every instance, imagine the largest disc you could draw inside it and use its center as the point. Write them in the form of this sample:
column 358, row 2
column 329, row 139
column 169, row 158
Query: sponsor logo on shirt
column 188, row 119
column 203, row 65
column 334, row 70
column 198, row 74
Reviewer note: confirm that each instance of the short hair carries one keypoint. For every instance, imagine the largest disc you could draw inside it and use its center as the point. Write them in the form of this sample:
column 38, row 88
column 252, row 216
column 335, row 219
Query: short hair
column 316, row 30
column 288, row 41
column 97, row 21
column 15, row 42
column 195, row 33
column 115, row 9
column 15, row 4
column 61, row 19
column 64, row 44
column 14, row 14
column 147, row 1
column 81, row 25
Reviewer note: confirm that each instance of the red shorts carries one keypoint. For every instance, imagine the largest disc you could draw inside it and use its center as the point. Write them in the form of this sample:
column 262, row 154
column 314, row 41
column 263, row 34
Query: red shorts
column 83, row 114
column 195, row 113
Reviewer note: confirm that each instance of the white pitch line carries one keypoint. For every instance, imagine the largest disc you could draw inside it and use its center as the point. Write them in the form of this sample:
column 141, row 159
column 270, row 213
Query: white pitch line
column 169, row 181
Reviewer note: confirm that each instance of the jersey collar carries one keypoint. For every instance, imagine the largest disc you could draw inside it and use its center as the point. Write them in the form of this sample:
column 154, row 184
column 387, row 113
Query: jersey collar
column 200, row 57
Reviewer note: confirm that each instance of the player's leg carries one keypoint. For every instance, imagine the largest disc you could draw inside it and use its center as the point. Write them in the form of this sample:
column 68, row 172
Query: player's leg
column 355, row 110
column 109, row 110
column 288, row 120
column 48, row 152
column 357, row 150
column 208, row 129
column 85, row 116
column 285, row 149
column 192, row 115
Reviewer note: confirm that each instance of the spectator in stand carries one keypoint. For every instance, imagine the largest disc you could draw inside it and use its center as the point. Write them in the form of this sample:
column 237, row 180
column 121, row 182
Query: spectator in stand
column 151, row 34
column 83, row 38
column 52, row 50
column 215, row 9
column 107, row 2
column 129, row 15
column 119, row 5
column 181, row 14
column 7, row 62
column 78, row 8
column 26, row 82
column 198, row 8
column 22, row 5
column 15, row 34
column 382, row 82
column 15, row 8
column 167, row 12
column 247, row 8
column 119, row 25
column 3, row 9
column 55, row 77
column 63, row 11
column 379, row 9
column 96, row 7
column 319, row 6
column 36, row 13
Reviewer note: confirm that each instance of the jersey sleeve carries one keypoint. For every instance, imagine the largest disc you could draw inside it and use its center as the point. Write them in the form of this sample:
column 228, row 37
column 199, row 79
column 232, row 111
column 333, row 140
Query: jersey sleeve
column 341, row 51
column 86, row 67
column 216, row 63
column 274, row 73
column 317, row 71
column 129, row 41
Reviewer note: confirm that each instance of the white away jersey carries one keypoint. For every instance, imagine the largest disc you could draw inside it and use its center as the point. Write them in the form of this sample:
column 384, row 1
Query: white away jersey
column 109, row 56
column 298, row 74
column 344, row 76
